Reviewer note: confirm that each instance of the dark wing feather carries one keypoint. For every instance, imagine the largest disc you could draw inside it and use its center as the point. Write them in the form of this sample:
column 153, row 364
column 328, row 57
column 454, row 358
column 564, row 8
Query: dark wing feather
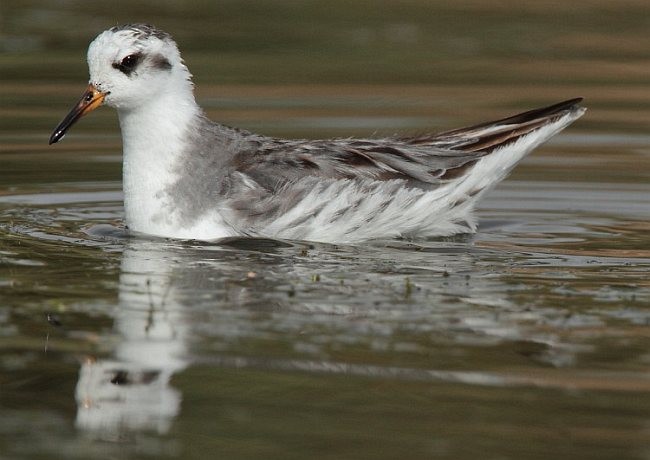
column 486, row 137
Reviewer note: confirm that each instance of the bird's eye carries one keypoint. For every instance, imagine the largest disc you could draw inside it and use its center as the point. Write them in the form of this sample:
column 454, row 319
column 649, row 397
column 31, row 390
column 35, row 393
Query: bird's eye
column 128, row 64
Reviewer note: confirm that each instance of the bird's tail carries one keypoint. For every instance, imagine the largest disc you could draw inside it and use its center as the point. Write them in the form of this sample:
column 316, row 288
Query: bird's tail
column 499, row 145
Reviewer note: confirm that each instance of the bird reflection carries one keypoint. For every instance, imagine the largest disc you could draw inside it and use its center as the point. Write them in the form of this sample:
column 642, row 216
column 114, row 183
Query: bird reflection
column 132, row 390
column 228, row 305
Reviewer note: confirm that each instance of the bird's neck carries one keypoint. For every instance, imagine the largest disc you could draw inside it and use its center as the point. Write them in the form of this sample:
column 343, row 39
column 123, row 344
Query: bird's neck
column 153, row 142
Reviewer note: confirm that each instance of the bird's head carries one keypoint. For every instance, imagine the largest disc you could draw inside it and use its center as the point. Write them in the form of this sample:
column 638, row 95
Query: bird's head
column 129, row 66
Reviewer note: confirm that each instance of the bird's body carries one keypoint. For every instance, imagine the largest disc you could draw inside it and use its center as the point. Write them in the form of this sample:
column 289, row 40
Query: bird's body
column 187, row 177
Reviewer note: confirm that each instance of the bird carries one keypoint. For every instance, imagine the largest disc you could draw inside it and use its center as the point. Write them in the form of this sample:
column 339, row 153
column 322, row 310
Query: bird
column 187, row 177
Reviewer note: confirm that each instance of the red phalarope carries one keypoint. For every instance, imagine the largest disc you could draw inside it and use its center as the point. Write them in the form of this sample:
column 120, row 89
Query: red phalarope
column 187, row 177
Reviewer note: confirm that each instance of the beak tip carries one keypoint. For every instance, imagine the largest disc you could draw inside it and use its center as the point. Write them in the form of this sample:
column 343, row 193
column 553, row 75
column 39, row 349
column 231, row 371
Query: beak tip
column 54, row 138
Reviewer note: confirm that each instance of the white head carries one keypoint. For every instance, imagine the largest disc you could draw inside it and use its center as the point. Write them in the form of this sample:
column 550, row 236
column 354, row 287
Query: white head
column 135, row 63
column 131, row 66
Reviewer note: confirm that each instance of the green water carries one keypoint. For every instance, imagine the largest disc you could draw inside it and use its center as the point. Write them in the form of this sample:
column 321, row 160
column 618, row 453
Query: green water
column 528, row 340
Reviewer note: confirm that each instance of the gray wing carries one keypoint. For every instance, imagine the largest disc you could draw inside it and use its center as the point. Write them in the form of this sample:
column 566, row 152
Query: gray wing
column 275, row 174
column 422, row 161
column 273, row 179
column 281, row 162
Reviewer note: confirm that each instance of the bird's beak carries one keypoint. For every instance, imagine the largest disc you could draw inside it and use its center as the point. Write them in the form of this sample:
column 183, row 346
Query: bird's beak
column 91, row 99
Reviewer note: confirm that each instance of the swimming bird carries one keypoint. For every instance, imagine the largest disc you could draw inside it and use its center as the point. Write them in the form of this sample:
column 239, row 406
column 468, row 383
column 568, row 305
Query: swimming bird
column 187, row 177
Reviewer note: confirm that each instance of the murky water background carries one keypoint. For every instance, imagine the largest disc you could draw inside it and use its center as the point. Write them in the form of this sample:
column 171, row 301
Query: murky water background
column 530, row 339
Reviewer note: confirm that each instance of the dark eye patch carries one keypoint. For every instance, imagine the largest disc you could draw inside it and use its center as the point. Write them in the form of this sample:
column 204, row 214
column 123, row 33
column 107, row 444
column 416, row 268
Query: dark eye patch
column 160, row 62
column 128, row 64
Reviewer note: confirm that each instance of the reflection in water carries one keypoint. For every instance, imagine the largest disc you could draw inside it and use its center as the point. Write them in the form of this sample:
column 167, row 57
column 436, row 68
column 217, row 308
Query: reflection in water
column 132, row 391
column 159, row 285
column 164, row 292
column 234, row 304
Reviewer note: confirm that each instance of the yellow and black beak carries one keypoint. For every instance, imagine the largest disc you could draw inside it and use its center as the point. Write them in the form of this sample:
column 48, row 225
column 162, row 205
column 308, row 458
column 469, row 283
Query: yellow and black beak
column 90, row 100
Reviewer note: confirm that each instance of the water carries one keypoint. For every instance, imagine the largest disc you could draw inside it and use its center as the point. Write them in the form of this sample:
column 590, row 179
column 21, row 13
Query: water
column 530, row 339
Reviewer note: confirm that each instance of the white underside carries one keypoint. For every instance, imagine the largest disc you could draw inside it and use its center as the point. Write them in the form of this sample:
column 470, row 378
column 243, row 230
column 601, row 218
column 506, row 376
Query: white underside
column 209, row 227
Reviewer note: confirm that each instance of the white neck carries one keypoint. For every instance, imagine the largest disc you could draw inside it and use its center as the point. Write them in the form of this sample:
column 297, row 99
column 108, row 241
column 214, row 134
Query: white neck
column 153, row 136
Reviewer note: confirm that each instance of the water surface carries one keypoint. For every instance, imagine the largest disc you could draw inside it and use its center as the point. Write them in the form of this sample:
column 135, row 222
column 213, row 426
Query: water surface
column 529, row 339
